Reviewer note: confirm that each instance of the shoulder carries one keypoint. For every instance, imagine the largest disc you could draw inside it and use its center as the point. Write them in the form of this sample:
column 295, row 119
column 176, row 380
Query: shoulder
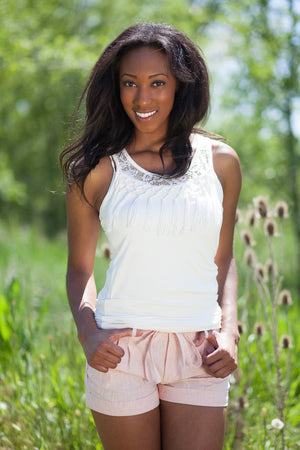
column 226, row 164
column 98, row 181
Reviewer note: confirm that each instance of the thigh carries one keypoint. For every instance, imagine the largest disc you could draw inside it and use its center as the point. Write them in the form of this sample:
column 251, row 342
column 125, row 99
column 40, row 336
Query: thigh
column 136, row 432
column 191, row 427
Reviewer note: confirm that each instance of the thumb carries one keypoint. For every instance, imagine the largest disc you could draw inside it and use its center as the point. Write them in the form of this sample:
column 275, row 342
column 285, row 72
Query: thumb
column 212, row 339
column 123, row 332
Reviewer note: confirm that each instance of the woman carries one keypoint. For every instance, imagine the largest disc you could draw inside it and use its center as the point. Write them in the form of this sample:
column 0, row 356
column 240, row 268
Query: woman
column 161, row 339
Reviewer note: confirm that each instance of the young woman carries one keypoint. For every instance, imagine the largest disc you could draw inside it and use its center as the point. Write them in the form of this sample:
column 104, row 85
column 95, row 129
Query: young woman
column 161, row 337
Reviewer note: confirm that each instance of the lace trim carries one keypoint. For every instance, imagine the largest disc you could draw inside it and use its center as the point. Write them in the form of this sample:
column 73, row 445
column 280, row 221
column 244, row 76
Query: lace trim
column 200, row 164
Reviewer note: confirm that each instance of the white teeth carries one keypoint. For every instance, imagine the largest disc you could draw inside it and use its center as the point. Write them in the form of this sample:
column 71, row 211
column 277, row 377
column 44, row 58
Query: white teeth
column 145, row 115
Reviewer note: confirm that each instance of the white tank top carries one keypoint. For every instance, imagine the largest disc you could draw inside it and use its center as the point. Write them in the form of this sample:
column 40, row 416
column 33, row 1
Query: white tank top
column 163, row 233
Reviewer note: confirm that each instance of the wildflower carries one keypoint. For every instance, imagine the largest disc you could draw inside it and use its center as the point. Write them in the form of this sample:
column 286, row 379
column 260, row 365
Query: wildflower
column 270, row 227
column 270, row 267
column 285, row 341
column 251, row 338
column 260, row 272
column 251, row 218
column 285, row 298
column 249, row 257
column 282, row 210
column 277, row 423
column 262, row 206
column 240, row 328
column 259, row 329
column 247, row 238
column 264, row 411
column 106, row 251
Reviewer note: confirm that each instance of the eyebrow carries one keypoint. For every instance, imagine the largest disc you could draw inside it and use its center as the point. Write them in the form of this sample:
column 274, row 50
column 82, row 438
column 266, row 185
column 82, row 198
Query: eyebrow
column 150, row 76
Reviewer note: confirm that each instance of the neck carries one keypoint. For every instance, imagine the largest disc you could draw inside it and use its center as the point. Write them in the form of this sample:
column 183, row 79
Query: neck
column 143, row 141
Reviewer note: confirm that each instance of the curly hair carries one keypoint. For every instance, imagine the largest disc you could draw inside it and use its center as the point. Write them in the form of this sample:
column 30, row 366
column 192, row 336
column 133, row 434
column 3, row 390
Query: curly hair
column 107, row 129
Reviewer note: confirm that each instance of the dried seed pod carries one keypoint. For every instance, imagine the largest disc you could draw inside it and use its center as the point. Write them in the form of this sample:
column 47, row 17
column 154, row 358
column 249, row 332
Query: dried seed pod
column 282, row 210
column 106, row 251
column 270, row 267
column 270, row 227
column 285, row 341
column 259, row 329
column 285, row 298
column 251, row 218
column 247, row 238
column 260, row 272
column 242, row 402
column 240, row 328
column 250, row 257
column 262, row 206
column 238, row 216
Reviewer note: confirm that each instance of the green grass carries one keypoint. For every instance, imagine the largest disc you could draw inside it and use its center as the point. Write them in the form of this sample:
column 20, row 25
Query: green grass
column 42, row 404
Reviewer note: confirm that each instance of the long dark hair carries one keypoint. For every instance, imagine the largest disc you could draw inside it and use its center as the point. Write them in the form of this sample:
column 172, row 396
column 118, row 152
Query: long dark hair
column 107, row 129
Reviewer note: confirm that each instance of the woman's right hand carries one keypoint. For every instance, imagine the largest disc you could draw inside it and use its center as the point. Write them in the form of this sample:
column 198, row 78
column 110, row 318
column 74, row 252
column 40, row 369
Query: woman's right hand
column 101, row 351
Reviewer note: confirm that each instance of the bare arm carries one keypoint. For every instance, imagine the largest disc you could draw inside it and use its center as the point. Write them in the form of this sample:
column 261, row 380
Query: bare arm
column 223, row 360
column 83, row 231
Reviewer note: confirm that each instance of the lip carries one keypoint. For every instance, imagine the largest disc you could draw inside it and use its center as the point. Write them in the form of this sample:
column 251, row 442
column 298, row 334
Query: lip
column 145, row 115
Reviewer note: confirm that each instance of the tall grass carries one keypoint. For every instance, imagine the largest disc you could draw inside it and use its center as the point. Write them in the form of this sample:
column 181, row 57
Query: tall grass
column 42, row 404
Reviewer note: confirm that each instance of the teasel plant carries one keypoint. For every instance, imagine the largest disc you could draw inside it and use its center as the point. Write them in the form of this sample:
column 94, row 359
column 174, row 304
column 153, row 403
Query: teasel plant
column 267, row 350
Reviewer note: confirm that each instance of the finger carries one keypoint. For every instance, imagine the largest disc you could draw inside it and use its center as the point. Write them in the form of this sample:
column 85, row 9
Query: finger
column 104, row 359
column 108, row 357
column 213, row 357
column 111, row 347
column 98, row 367
column 221, row 367
column 222, row 373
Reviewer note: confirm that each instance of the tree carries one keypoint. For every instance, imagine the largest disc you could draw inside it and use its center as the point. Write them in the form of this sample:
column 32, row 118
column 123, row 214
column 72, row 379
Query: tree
column 262, row 94
column 47, row 51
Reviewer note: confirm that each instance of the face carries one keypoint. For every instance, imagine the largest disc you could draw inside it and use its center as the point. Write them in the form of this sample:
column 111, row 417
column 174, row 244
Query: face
column 147, row 90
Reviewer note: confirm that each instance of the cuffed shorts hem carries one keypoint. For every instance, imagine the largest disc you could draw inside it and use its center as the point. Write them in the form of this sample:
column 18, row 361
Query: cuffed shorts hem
column 197, row 396
column 128, row 408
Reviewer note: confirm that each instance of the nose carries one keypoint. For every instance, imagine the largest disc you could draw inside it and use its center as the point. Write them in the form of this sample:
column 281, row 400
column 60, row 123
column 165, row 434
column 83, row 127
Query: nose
column 143, row 96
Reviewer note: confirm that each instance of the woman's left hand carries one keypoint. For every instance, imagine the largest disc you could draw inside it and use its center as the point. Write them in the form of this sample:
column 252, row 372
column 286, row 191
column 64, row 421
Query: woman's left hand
column 222, row 361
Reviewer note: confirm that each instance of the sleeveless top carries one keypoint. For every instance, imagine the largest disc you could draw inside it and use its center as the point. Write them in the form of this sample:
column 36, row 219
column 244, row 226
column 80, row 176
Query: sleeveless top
column 163, row 233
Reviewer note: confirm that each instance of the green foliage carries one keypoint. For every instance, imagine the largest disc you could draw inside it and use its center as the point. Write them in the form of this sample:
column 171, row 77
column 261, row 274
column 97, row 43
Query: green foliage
column 260, row 102
column 47, row 52
column 265, row 384
column 42, row 365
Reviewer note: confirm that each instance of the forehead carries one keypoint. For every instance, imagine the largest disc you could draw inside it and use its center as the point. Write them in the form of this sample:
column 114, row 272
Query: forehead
column 146, row 60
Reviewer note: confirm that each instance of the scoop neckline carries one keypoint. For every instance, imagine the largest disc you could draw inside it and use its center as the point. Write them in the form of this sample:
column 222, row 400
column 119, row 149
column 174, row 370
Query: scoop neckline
column 158, row 175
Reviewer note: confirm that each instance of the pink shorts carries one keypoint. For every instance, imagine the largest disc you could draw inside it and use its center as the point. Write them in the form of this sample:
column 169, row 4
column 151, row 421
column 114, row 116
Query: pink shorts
column 156, row 365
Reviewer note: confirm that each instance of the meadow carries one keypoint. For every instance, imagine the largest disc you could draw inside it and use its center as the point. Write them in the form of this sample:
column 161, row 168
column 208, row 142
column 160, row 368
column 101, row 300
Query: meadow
column 42, row 404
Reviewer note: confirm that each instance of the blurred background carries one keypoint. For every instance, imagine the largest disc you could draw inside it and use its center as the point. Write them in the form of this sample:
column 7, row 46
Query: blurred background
column 47, row 50
column 252, row 48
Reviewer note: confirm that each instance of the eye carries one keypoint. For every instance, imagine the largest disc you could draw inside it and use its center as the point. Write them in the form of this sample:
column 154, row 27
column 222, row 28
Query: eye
column 158, row 83
column 129, row 83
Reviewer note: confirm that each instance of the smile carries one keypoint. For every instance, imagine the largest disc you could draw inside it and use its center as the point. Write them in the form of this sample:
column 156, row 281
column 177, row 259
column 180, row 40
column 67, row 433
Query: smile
column 145, row 115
